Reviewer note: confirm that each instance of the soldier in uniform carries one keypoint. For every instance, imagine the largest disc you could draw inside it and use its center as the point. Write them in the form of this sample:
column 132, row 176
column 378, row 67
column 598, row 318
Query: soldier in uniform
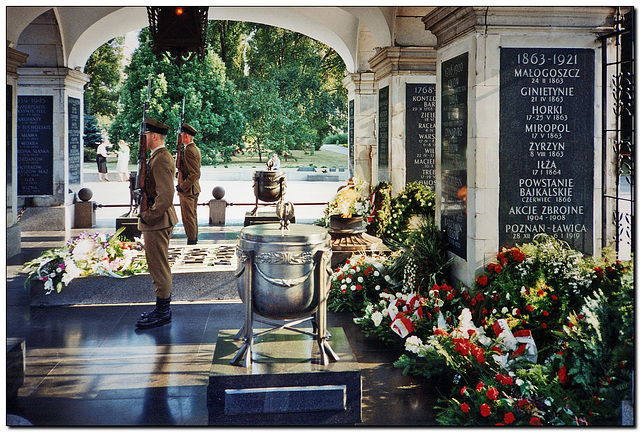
column 157, row 221
column 189, row 184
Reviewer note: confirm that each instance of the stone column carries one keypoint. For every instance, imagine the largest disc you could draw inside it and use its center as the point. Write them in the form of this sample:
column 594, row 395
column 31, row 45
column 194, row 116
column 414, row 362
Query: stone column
column 53, row 210
column 361, row 90
column 395, row 67
column 14, row 59
column 471, row 41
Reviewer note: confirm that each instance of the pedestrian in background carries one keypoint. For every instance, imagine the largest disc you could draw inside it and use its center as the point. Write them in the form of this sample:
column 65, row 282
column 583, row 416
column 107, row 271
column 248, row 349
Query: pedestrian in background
column 157, row 221
column 188, row 186
column 124, row 153
column 101, row 160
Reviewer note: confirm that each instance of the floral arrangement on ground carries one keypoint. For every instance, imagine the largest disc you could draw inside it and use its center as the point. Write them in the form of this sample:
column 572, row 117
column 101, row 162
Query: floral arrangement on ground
column 85, row 255
column 350, row 200
column 543, row 337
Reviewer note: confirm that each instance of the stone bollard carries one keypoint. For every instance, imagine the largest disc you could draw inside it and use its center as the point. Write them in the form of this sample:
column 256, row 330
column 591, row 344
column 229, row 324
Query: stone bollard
column 217, row 207
column 84, row 212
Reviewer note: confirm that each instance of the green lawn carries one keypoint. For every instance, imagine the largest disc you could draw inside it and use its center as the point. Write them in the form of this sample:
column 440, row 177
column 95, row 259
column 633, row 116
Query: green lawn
column 320, row 159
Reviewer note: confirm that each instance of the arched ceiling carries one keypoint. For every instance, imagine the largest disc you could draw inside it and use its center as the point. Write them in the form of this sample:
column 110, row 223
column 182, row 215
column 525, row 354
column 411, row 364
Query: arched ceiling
column 84, row 29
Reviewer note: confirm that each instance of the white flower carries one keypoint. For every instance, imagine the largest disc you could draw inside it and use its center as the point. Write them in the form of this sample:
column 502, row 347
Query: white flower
column 377, row 288
column 507, row 296
column 369, row 309
column 519, row 382
column 387, row 278
column 385, row 312
column 523, row 290
column 393, row 310
column 353, row 287
column 360, row 279
column 376, row 317
column 376, row 273
column 505, row 310
column 48, row 286
column 413, row 344
column 348, row 280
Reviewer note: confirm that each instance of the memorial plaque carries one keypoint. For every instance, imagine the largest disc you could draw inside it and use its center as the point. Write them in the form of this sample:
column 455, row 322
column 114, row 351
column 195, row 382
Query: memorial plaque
column 383, row 133
column 74, row 141
column 9, row 134
column 454, row 108
column 546, row 145
column 420, row 134
column 35, row 145
column 351, row 135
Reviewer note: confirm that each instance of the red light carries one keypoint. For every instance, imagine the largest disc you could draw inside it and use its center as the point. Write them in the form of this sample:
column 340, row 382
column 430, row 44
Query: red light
column 179, row 11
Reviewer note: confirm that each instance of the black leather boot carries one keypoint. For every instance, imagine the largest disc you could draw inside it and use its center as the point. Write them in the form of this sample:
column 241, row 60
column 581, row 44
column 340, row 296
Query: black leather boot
column 161, row 315
column 192, row 241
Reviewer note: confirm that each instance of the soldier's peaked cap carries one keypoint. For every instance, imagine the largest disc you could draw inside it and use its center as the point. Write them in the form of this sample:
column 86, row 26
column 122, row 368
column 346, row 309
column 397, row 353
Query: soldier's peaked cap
column 152, row 125
column 188, row 129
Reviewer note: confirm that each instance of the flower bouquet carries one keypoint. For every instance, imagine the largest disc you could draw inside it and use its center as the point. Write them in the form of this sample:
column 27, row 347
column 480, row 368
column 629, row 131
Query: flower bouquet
column 85, row 255
column 357, row 283
column 350, row 201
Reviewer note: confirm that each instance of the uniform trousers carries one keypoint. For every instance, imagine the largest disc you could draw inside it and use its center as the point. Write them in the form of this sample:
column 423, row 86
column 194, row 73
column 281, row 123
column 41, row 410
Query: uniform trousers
column 189, row 212
column 156, row 250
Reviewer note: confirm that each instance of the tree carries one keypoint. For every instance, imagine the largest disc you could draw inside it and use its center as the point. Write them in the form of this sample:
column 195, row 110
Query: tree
column 105, row 68
column 308, row 77
column 228, row 40
column 209, row 98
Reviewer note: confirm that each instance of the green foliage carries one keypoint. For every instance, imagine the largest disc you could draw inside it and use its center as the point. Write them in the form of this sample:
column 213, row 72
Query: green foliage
column 337, row 138
column 302, row 76
column 210, row 101
column 393, row 219
column 92, row 133
column 101, row 92
column 422, row 259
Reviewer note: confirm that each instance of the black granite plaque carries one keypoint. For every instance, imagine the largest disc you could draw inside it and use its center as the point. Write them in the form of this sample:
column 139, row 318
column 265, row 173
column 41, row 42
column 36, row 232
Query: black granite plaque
column 454, row 75
column 35, row 145
column 546, row 145
column 9, row 135
column 74, row 141
column 420, row 134
column 383, row 132
column 351, row 136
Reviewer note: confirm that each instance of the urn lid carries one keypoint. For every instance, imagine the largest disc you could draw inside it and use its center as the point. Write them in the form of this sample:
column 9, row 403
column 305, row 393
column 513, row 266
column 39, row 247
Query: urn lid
column 272, row 233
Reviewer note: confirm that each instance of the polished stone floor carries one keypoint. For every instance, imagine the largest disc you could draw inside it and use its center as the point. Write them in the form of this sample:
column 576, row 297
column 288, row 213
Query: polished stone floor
column 88, row 366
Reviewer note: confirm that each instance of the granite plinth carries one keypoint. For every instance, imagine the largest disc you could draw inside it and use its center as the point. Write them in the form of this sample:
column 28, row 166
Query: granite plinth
column 262, row 218
column 137, row 289
column 285, row 384
column 15, row 367
column 130, row 225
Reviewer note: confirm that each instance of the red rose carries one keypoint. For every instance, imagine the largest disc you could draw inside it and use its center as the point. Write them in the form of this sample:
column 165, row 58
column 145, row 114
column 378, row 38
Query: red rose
column 340, row 276
column 535, row 421
column 463, row 390
column 358, row 287
column 509, row 418
column 479, row 386
column 464, row 407
column 540, row 293
column 554, row 297
column 450, row 297
column 492, row 393
column 485, row 410
column 436, row 309
column 518, row 255
column 520, row 350
column 522, row 403
column 544, row 326
column 482, row 280
column 529, row 308
column 562, row 375
column 545, row 313
column 497, row 268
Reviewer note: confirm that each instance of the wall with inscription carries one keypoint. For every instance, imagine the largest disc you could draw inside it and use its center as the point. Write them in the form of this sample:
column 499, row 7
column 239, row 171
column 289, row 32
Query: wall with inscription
column 383, row 134
column 454, row 109
column 74, row 141
column 35, row 145
column 547, row 145
column 420, row 130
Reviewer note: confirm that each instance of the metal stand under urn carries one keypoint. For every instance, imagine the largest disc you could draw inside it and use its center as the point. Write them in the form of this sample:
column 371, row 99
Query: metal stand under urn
column 283, row 278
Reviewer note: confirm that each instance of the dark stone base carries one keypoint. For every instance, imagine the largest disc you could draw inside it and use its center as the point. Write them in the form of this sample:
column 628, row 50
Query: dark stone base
column 218, row 285
column 286, row 384
column 15, row 367
column 262, row 218
column 131, row 227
